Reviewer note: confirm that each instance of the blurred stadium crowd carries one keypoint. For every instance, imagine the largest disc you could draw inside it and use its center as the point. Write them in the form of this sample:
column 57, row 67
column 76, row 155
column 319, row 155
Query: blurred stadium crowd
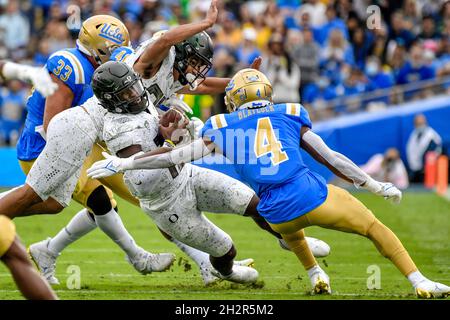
column 334, row 56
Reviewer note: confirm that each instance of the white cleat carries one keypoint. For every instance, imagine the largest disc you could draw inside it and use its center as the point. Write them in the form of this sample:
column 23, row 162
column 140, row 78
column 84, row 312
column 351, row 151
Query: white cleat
column 320, row 283
column 209, row 278
column 319, row 248
column 145, row 262
column 240, row 274
column 44, row 260
column 429, row 289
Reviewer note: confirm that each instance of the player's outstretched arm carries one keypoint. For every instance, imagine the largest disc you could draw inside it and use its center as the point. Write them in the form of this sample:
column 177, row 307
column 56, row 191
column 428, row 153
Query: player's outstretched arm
column 215, row 85
column 156, row 52
column 164, row 157
column 345, row 168
column 29, row 282
column 38, row 77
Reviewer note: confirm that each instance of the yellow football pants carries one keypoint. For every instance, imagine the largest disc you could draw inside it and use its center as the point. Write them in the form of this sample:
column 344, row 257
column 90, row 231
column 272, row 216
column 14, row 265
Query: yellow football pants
column 7, row 234
column 85, row 186
column 341, row 211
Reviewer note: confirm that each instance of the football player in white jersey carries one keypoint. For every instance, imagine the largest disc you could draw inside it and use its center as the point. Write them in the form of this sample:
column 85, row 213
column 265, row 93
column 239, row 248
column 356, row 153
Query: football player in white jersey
column 174, row 197
column 53, row 173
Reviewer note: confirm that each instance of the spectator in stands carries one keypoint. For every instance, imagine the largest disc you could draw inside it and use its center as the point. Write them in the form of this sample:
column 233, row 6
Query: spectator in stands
column 306, row 55
column 378, row 78
column 422, row 139
column 16, row 30
column 230, row 34
column 316, row 10
column 318, row 92
column 12, row 112
column 337, row 51
column 398, row 31
column 429, row 31
column 415, row 70
column 282, row 71
column 411, row 16
column 247, row 52
column 388, row 167
column 333, row 22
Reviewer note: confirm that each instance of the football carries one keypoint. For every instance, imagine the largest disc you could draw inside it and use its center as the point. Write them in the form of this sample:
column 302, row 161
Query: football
column 171, row 116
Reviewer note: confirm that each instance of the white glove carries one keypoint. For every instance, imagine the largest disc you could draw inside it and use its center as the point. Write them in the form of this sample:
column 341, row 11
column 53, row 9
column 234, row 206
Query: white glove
column 195, row 126
column 38, row 77
column 390, row 192
column 41, row 80
column 110, row 166
column 179, row 104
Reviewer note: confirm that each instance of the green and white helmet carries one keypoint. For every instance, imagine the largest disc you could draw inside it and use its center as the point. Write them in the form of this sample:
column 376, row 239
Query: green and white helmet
column 197, row 52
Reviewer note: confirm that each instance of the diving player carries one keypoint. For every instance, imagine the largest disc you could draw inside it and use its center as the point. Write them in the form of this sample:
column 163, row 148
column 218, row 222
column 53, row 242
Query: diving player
column 71, row 71
column 173, row 61
column 263, row 141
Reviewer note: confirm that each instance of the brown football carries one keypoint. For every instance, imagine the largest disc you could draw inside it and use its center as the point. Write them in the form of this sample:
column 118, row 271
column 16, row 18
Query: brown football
column 171, row 116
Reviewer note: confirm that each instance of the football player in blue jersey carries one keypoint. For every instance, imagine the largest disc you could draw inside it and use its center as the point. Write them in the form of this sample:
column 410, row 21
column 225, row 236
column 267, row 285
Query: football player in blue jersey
column 263, row 141
column 72, row 69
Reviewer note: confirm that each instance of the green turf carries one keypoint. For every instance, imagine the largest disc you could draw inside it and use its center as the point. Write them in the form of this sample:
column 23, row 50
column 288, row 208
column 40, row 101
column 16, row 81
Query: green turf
column 422, row 222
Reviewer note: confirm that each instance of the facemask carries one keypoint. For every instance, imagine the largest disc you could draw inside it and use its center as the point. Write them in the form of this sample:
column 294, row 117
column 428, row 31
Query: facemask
column 193, row 85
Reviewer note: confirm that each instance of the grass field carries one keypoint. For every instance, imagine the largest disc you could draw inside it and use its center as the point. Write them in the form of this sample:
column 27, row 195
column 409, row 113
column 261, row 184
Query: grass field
column 422, row 222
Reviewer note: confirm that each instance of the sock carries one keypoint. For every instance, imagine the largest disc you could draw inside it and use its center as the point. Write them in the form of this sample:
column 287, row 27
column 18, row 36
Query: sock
column 80, row 225
column 297, row 243
column 112, row 225
column 200, row 258
column 415, row 278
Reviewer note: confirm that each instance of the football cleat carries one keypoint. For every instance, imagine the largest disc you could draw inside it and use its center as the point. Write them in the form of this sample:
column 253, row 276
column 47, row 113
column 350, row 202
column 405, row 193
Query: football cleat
column 429, row 289
column 320, row 283
column 319, row 248
column 240, row 274
column 145, row 262
column 209, row 278
column 44, row 260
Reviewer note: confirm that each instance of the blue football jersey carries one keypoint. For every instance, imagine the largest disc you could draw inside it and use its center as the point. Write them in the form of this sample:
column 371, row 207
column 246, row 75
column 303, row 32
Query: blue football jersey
column 74, row 69
column 263, row 143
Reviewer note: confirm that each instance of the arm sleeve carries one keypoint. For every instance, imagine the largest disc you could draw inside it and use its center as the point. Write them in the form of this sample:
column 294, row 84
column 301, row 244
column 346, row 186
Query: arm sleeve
column 185, row 154
column 341, row 163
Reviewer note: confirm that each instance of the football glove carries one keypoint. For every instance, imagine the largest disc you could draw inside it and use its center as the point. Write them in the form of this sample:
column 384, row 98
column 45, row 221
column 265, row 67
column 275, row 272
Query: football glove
column 195, row 126
column 390, row 192
column 111, row 165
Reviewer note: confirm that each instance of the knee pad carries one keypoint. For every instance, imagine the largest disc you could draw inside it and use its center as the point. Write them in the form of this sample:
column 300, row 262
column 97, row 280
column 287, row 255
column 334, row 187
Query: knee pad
column 99, row 202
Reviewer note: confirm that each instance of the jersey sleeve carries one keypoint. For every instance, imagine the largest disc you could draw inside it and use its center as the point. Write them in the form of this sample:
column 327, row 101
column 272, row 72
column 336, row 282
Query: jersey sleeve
column 120, row 54
column 208, row 131
column 300, row 113
column 66, row 67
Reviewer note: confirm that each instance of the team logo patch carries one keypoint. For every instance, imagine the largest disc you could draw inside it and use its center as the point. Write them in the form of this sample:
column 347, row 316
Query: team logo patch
column 111, row 33
column 253, row 78
column 230, row 86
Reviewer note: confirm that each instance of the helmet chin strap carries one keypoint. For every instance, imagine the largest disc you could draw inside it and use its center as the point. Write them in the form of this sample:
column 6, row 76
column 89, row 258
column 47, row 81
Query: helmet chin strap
column 83, row 49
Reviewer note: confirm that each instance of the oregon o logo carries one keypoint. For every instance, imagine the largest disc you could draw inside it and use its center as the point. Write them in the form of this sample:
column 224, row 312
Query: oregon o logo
column 173, row 218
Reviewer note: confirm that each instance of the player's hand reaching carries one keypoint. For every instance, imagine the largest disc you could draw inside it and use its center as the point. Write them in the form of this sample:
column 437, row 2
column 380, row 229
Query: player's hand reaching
column 194, row 127
column 213, row 12
column 256, row 64
column 111, row 165
column 39, row 78
column 390, row 192
column 172, row 125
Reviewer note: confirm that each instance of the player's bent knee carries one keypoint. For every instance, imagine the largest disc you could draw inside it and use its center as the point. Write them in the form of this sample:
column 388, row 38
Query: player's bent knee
column 251, row 210
column 99, row 201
